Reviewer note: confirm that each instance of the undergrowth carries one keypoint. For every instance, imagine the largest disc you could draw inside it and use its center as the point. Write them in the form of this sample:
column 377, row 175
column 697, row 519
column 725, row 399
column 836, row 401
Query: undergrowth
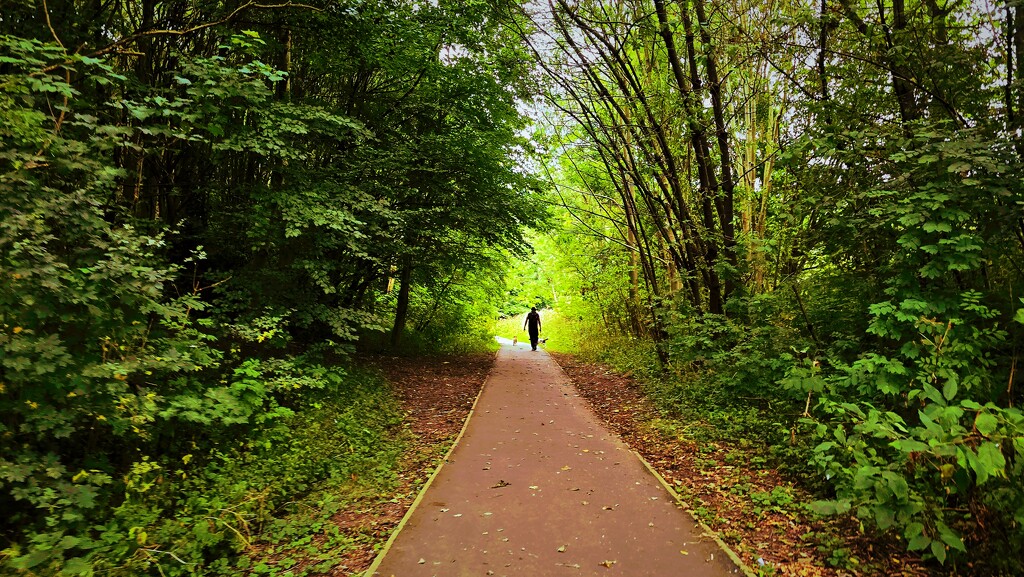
column 343, row 451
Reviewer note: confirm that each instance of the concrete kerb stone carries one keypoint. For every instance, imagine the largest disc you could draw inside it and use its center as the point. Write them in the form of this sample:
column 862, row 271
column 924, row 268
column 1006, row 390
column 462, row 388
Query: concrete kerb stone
column 747, row 571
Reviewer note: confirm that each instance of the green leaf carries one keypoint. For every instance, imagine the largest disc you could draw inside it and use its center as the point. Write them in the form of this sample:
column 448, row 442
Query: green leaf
column 952, row 539
column 991, row 462
column 825, row 508
column 884, row 517
column 913, row 529
column 933, row 394
column 911, row 446
column 1019, row 316
column 986, row 423
column 76, row 566
column 937, row 227
column 898, row 486
column 949, row 389
column 919, row 542
column 939, row 550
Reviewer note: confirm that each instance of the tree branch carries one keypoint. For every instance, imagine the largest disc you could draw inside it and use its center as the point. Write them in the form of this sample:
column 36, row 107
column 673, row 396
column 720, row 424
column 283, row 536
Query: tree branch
column 115, row 46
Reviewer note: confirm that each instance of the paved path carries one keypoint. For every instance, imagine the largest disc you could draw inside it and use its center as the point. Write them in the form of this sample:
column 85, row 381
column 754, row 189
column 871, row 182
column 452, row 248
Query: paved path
column 538, row 487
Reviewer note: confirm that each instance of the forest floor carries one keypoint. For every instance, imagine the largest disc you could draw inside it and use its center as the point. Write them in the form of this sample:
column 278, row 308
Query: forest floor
column 752, row 507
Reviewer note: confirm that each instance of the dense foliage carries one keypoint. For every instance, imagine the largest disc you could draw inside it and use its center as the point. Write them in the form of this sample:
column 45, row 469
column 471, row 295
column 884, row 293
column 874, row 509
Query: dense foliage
column 815, row 207
column 203, row 207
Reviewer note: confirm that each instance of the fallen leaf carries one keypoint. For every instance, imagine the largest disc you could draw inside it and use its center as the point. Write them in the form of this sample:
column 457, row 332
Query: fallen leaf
column 607, row 563
column 567, row 468
column 457, row 515
column 684, row 552
column 534, row 487
column 561, row 549
column 422, row 561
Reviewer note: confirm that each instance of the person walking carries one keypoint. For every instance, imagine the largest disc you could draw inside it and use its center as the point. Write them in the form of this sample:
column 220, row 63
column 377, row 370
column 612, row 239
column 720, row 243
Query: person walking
column 532, row 323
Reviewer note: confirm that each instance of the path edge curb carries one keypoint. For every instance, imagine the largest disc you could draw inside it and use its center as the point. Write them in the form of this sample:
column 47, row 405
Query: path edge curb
column 743, row 567
column 430, row 480
column 733, row 556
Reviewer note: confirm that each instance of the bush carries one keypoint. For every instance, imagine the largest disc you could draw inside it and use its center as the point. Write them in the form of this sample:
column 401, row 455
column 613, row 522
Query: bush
column 918, row 434
column 139, row 433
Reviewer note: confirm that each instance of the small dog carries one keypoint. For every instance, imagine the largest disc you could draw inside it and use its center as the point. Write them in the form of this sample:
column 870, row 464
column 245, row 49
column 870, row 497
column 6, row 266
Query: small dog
column 544, row 340
column 515, row 341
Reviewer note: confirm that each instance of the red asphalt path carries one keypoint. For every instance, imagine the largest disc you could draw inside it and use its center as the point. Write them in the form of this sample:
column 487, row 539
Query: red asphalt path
column 538, row 487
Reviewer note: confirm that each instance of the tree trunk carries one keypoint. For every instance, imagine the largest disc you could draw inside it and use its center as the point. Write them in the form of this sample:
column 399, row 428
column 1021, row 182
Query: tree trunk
column 905, row 91
column 1018, row 48
column 633, row 306
column 822, row 52
column 402, row 307
column 1015, row 69
column 698, row 138
column 727, row 189
column 284, row 87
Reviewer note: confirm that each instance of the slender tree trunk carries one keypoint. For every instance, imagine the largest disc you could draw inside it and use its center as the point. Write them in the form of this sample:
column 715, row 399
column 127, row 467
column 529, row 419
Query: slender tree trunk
column 823, row 30
column 706, row 176
column 137, row 188
column 760, row 227
column 283, row 89
column 1018, row 48
column 939, row 103
column 711, row 204
column 1008, row 35
column 402, row 307
column 1014, row 91
column 727, row 190
column 633, row 304
column 905, row 91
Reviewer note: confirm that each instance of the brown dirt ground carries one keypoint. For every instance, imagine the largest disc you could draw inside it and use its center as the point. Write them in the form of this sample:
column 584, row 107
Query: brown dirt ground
column 719, row 490
column 436, row 394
